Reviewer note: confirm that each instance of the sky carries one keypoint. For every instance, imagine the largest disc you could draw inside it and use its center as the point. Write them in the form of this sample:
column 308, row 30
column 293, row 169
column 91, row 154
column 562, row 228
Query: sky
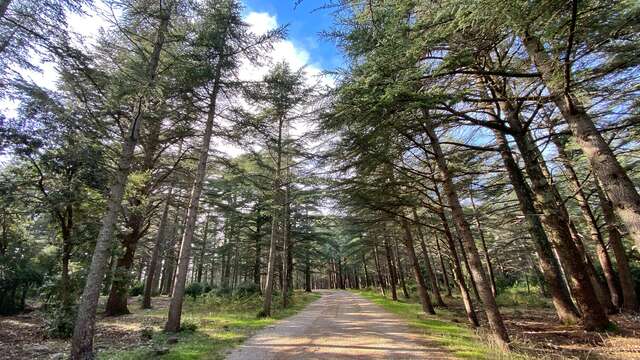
column 303, row 47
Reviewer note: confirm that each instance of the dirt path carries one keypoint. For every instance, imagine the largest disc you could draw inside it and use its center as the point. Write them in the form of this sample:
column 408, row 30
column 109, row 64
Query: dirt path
column 340, row 325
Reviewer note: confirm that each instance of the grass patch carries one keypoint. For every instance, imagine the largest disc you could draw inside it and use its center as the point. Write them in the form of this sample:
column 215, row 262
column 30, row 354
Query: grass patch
column 519, row 296
column 221, row 322
column 461, row 340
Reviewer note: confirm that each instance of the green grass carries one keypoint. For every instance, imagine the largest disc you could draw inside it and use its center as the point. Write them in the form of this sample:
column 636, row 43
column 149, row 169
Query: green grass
column 222, row 323
column 461, row 340
column 518, row 296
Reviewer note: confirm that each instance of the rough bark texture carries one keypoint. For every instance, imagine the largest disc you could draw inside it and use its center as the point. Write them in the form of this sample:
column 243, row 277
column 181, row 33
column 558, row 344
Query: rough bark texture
column 175, row 308
column 556, row 223
column 551, row 270
column 614, row 180
column 590, row 221
column 477, row 271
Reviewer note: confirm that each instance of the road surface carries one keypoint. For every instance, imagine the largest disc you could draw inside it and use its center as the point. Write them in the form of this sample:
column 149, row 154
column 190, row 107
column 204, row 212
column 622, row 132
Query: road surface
column 340, row 325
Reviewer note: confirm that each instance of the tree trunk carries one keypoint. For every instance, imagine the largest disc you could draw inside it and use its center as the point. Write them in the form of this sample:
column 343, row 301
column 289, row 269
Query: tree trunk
column 487, row 258
column 203, row 250
column 379, row 270
column 400, row 268
column 175, row 308
column 629, row 296
column 392, row 270
column 590, row 221
column 425, row 300
column 477, row 271
column 565, row 309
column 155, row 256
column 556, row 222
column 427, row 261
column 614, row 180
column 443, row 267
column 82, row 342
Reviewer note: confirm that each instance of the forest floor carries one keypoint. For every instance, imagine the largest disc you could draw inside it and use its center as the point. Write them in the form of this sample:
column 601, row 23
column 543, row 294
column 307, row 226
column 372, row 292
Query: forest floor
column 220, row 322
column 223, row 322
column 533, row 326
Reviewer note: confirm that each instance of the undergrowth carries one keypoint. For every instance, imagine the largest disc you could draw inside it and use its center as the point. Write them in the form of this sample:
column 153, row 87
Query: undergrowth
column 216, row 324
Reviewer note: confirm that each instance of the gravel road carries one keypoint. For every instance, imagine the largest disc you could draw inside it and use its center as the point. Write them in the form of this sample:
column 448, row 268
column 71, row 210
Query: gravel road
column 340, row 325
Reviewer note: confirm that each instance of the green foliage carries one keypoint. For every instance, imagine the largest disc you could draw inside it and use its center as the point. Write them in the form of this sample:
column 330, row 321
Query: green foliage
column 246, row 289
column 518, row 296
column 194, row 290
column 18, row 275
column 59, row 321
column 221, row 322
column 136, row 289
column 188, row 325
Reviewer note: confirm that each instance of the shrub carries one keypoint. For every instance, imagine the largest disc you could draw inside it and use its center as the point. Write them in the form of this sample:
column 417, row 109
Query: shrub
column 246, row 289
column 59, row 321
column 194, row 290
column 188, row 325
column 136, row 289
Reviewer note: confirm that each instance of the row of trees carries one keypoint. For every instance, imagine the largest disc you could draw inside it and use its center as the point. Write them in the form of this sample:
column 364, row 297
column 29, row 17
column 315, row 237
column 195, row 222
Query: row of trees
column 111, row 182
column 461, row 123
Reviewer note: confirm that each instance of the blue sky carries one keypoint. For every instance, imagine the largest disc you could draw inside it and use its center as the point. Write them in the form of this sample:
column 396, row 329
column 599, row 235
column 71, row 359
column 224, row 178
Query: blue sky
column 306, row 21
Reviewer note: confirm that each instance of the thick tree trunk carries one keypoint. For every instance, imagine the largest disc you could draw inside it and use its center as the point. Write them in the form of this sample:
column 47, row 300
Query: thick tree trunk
column 590, row 221
column 175, row 308
column 117, row 301
column 629, row 297
column 82, row 342
column 551, row 270
column 556, row 223
column 477, row 271
column 425, row 300
column 614, row 180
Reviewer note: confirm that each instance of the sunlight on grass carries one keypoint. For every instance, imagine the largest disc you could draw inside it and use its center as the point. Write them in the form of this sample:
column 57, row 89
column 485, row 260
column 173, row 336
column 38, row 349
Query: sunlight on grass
column 461, row 340
column 222, row 323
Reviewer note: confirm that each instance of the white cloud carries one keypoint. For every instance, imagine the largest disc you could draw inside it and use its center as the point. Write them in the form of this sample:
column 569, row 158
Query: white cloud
column 261, row 22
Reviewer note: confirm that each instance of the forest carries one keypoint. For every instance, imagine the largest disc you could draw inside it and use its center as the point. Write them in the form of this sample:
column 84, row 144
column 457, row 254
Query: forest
column 470, row 166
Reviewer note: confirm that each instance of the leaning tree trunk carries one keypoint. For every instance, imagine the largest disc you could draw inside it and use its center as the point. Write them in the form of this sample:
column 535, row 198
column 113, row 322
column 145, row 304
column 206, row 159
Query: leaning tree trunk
column 175, row 308
column 614, row 180
column 400, row 268
column 551, row 271
column 477, row 271
column 556, row 222
column 487, row 258
column 432, row 276
column 629, row 297
column 458, row 276
column 376, row 259
column 425, row 300
column 82, row 342
column 590, row 221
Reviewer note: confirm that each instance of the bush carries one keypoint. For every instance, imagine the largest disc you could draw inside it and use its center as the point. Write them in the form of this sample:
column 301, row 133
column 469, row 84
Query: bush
column 246, row 289
column 223, row 291
column 194, row 290
column 188, row 325
column 17, row 277
column 136, row 289
column 59, row 321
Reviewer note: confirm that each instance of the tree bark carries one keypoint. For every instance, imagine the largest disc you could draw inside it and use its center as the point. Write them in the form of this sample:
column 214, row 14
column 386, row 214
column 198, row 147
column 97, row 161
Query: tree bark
column 487, row 258
column 477, row 271
column 425, row 300
column 614, row 180
column 590, row 221
column 432, row 276
column 556, row 222
column 155, row 256
column 629, row 296
column 393, row 280
column 177, row 299
column 561, row 298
